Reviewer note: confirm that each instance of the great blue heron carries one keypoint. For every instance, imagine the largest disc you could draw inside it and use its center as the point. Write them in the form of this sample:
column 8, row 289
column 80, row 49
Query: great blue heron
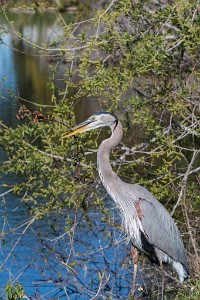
column 147, row 223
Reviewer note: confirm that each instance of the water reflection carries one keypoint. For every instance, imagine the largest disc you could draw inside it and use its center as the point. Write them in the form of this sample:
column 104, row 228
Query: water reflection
column 8, row 104
column 28, row 70
column 29, row 67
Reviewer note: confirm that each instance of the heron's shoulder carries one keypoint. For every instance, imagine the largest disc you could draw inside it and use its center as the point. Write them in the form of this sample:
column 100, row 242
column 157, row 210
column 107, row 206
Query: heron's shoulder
column 141, row 192
column 138, row 192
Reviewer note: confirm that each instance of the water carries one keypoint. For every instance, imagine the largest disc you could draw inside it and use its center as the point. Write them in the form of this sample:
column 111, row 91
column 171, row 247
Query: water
column 27, row 76
column 40, row 254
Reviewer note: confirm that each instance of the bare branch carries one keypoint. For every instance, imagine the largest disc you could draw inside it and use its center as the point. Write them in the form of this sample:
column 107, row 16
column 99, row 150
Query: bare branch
column 14, row 246
column 184, row 181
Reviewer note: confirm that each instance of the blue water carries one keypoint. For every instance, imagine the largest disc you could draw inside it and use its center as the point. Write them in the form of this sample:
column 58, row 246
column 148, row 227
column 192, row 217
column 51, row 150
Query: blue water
column 38, row 252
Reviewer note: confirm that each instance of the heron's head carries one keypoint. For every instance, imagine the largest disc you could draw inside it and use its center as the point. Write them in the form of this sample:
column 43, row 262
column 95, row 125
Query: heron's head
column 97, row 120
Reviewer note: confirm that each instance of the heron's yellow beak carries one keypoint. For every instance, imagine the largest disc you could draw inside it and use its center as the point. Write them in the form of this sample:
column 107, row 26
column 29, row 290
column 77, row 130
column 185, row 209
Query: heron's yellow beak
column 79, row 129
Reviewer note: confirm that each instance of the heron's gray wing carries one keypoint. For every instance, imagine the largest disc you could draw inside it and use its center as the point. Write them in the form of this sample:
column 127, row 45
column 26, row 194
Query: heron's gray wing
column 160, row 229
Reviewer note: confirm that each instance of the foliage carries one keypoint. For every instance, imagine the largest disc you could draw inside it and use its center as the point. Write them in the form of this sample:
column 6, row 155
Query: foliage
column 14, row 292
column 141, row 61
column 191, row 293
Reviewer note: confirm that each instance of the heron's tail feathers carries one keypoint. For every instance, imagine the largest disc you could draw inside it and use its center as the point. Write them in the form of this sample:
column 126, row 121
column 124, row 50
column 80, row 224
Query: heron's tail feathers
column 181, row 270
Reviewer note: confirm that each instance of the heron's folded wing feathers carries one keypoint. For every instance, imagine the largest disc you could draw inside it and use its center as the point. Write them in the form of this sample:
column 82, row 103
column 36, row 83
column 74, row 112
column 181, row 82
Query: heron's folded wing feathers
column 161, row 230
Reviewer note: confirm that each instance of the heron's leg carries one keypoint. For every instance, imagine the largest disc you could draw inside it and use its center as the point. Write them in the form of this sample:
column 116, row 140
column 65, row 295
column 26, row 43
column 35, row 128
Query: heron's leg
column 163, row 279
column 135, row 258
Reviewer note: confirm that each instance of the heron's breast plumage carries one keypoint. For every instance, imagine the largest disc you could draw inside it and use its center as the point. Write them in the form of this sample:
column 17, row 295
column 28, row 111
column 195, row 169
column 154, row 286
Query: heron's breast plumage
column 127, row 208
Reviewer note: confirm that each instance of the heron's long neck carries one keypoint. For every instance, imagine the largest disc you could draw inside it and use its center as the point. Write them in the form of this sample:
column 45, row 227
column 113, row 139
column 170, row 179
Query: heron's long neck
column 117, row 189
column 104, row 167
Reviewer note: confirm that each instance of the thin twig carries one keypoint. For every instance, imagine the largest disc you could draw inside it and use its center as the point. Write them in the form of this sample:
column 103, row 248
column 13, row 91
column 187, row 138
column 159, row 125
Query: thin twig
column 99, row 20
column 13, row 248
column 7, row 192
column 184, row 181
